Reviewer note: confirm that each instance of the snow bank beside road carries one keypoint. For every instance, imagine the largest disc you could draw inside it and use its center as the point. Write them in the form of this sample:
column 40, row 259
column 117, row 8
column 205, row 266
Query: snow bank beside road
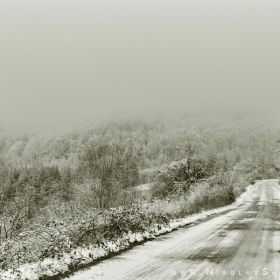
column 82, row 256
column 203, row 215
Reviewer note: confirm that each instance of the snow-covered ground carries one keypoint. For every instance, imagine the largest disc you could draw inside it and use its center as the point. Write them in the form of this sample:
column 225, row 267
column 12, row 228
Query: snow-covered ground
column 86, row 255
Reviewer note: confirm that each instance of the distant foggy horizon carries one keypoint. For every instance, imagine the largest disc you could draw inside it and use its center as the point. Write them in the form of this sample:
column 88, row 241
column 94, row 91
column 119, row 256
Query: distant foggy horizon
column 75, row 60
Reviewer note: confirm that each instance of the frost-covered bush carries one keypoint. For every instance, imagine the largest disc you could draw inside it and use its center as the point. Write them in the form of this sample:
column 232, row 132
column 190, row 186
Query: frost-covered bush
column 57, row 237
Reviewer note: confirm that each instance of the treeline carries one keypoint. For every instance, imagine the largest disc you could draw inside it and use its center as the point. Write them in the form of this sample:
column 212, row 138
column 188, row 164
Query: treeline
column 99, row 165
column 154, row 142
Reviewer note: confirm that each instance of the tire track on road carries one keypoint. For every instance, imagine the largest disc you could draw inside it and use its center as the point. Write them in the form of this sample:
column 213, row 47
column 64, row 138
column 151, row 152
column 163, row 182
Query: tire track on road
column 157, row 259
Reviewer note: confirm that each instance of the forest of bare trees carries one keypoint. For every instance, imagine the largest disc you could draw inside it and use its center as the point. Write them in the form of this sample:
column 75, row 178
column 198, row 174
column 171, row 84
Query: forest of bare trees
column 78, row 186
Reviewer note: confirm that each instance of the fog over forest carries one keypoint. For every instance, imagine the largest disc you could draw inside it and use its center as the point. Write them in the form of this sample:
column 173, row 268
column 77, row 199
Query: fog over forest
column 82, row 60
column 119, row 117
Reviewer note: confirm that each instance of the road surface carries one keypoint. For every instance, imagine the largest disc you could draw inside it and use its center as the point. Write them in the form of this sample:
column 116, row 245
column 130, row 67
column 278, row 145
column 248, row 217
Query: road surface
column 241, row 244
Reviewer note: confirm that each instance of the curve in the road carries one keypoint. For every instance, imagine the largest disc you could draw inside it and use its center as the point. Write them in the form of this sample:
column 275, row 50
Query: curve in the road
column 241, row 244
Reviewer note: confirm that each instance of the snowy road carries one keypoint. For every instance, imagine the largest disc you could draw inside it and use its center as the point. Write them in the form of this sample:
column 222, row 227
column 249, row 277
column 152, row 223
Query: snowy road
column 243, row 243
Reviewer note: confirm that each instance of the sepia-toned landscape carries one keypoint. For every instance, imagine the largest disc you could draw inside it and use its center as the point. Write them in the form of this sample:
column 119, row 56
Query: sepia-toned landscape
column 139, row 139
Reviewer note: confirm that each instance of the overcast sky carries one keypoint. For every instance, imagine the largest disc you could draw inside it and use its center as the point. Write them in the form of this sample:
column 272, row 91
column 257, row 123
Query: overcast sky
column 73, row 59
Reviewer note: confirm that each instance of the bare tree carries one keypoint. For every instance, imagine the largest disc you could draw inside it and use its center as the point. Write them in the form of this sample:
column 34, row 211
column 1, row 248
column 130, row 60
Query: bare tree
column 179, row 175
column 107, row 166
